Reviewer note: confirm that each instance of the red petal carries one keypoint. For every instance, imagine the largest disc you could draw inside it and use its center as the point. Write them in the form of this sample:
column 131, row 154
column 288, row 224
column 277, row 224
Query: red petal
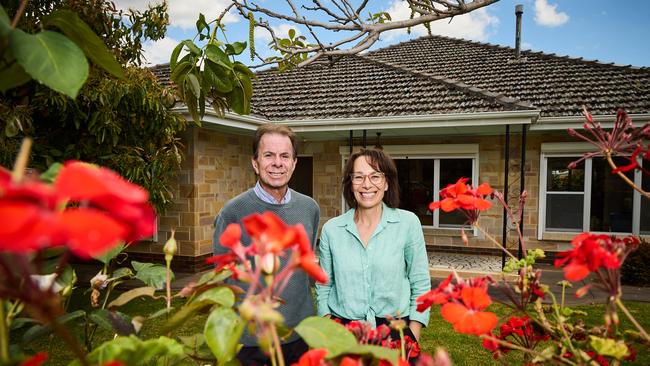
column 434, row 206
column 91, row 232
column 35, row 360
column 304, row 244
column 475, row 298
column 309, row 265
column 231, row 236
column 448, row 205
column 312, row 357
column 484, row 189
column 482, row 204
column 575, row 272
column 453, row 312
column 81, row 181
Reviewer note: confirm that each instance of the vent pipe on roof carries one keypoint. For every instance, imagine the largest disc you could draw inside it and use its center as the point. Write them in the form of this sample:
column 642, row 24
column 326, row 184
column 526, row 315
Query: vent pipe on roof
column 519, row 10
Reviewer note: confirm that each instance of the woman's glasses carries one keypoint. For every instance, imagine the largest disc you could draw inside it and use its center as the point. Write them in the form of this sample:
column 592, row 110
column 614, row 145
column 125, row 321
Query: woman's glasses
column 374, row 178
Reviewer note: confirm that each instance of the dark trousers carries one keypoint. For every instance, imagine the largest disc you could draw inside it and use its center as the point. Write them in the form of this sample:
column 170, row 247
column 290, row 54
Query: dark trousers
column 253, row 356
column 394, row 334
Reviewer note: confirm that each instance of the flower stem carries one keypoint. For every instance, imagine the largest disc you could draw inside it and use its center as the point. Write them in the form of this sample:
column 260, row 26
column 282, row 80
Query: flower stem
column 492, row 239
column 608, row 156
column 4, row 334
column 632, row 319
column 21, row 160
column 278, row 346
column 523, row 349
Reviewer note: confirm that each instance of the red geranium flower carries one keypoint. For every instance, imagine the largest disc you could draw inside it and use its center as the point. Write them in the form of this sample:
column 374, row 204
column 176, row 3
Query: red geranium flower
column 439, row 295
column 590, row 253
column 466, row 316
column 314, row 357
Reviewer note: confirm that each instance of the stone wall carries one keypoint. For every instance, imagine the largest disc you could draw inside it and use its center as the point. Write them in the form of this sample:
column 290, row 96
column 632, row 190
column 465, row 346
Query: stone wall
column 217, row 167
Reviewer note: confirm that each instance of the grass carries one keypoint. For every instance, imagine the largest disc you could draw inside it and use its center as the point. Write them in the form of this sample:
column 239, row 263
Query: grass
column 463, row 349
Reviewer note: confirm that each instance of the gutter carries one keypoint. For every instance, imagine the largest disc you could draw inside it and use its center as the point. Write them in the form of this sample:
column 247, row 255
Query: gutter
column 576, row 122
column 250, row 123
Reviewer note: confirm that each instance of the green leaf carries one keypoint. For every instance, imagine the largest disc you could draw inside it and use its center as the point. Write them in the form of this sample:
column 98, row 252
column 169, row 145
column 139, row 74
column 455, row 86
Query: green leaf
column 100, row 317
column 609, row 347
column 194, row 49
column 151, row 274
column 235, row 48
column 238, row 66
column 41, row 330
column 222, row 332
column 216, row 55
column 193, row 83
column 52, row 59
column 185, row 313
column 292, row 33
column 377, row 352
column 218, row 295
column 239, row 99
column 173, row 59
column 179, row 71
column 5, row 22
column 319, row 332
column 218, row 77
column 108, row 256
column 133, row 351
column 122, row 272
column 81, row 34
column 132, row 294
column 12, row 77
column 51, row 173
column 201, row 24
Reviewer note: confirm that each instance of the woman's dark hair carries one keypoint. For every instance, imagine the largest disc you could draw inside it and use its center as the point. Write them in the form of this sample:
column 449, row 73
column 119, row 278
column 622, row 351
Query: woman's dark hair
column 381, row 162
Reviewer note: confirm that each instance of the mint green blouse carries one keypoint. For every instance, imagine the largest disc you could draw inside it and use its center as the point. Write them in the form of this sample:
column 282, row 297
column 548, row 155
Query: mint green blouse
column 384, row 278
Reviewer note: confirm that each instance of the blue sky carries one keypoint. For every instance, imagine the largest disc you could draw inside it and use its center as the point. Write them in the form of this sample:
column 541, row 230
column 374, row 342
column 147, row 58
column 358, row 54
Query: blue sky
column 593, row 29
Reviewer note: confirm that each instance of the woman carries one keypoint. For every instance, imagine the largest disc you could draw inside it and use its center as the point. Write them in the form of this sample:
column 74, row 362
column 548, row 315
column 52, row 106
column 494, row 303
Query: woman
column 374, row 254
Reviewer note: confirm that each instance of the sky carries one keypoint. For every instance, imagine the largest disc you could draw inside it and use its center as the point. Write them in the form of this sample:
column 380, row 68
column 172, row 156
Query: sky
column 604, row 30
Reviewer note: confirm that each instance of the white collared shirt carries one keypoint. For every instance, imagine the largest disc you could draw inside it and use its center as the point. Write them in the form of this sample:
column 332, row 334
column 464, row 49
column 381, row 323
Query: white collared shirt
column 266, row 197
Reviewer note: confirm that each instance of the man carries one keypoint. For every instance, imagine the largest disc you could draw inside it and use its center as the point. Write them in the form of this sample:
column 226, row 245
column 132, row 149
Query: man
column 274, row 160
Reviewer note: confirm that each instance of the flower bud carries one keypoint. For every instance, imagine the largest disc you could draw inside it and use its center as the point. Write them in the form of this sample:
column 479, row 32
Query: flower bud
column 170, row 248
column 247, row 310
column 267, row 263
column 99, row 281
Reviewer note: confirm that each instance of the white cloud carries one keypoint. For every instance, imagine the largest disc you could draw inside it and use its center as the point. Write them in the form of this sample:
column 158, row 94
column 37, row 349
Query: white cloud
column 547, row 15
column 158, row 52
column 476, row 25
column 182, row 13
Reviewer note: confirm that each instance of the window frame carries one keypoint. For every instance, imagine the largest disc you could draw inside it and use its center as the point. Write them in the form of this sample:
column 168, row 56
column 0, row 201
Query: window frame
column 577, row 149
column 434, row 152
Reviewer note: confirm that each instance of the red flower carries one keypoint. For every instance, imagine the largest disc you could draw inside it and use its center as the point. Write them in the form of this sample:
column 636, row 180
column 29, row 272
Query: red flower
column 314, row 357
column 590, row 253
column 466, row 316
column 105, row 189
column 90, row 232
column 439, row 295
column 309, row 265
column 350, row 361
column 460, row 196
column 270, row 232
column 35, row 360
column 633, row 164
column 222, row 260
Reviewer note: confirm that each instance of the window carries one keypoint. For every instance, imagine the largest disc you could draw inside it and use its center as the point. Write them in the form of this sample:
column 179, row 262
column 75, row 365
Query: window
column 589, row 197
column 302, row 178
column 423, row 170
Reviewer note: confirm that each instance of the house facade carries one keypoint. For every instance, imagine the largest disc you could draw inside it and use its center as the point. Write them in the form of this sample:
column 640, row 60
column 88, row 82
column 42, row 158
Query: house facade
column 443, row 108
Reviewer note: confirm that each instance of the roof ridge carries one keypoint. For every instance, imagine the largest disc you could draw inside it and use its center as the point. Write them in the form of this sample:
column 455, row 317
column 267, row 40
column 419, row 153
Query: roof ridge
column 531, row 52
column 456, row 84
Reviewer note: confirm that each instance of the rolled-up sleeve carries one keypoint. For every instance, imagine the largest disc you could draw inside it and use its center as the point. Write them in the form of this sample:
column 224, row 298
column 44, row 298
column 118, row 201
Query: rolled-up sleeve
column 417, row 270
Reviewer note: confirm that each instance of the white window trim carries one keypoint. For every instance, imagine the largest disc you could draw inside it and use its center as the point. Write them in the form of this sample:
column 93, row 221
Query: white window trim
column 576, row 149
column 434, row 152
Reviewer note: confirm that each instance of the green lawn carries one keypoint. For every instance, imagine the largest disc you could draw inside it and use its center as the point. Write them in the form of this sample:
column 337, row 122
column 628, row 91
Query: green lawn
column 464, row 350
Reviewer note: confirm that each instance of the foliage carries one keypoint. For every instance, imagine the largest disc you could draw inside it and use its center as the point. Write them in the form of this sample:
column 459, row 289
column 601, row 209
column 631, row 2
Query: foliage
column 635, row 270
column 125, row 123
column 211, row 72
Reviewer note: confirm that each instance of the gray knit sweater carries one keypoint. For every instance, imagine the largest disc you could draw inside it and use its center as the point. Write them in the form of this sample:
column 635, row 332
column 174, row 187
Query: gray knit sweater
column 299, row 302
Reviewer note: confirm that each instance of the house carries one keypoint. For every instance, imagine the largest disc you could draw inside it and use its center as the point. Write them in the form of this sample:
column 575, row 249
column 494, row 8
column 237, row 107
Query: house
column 444, row 108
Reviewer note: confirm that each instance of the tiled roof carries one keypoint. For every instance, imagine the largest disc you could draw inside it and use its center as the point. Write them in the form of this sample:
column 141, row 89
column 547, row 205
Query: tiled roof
column 359, row 87
column 441, row 75
column 558, row 85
